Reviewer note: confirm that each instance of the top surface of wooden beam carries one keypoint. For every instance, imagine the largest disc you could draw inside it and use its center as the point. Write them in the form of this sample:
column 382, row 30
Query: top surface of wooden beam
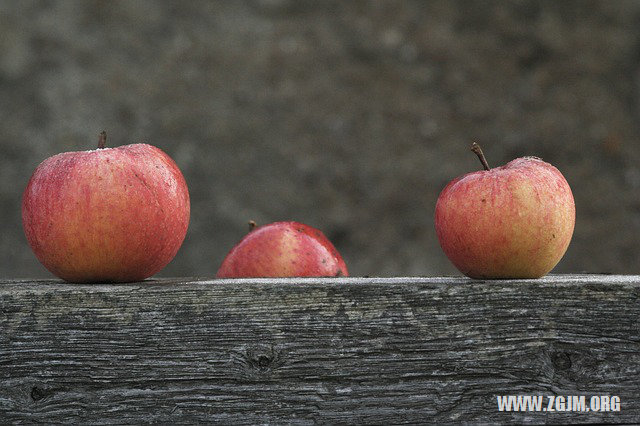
column 572, row 279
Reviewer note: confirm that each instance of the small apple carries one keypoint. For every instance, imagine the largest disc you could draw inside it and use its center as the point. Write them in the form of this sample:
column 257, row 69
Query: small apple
column 106, row 215
column 283, row 249
column 514, row 221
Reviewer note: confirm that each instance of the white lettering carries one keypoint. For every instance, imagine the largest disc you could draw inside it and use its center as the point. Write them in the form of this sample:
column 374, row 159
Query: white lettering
column 604, row 402
column 504, row 403
column 615, row 403
column 560, row 403
column 551, row 400
column 535, row 403
column 578, row 403
column 595, row 403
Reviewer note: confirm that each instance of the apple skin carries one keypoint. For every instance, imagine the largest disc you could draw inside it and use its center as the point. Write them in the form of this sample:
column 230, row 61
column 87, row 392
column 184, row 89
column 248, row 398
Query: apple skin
column 283, row 249
column 514, row 221
column 106, row 215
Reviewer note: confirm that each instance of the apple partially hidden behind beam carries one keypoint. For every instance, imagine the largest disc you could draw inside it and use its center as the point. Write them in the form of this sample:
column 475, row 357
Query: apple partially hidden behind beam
column 514, row 221
column 283, row 249
column 106, row 215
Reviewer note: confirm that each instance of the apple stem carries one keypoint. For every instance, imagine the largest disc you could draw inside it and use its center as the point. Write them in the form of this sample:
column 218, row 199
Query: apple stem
column 478, row 151
column 252, row 225
column 102, row 140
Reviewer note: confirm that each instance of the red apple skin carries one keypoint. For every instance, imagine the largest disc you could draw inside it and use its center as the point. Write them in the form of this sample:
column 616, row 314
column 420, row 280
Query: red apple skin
column 514, row 221
column 106, row 215
column 283, row 249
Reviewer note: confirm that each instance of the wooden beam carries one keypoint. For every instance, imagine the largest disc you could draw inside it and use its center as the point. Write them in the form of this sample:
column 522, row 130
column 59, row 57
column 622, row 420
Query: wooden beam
column 335, row 350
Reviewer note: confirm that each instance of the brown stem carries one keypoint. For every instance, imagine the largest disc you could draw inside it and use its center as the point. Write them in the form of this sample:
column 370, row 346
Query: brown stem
column 478, row 151
column 252, row 225
column 102, row 140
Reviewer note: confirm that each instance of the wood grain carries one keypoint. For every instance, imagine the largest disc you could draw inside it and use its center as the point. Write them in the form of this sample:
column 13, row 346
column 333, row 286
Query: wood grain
column 305, row 351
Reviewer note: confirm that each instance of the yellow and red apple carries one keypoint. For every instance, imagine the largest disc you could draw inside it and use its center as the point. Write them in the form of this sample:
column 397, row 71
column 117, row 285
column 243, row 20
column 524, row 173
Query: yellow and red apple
column 514, row 221
column 106, row 215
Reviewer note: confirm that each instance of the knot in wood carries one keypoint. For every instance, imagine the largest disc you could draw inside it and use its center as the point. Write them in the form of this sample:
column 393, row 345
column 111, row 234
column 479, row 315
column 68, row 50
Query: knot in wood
column 38, row 393
column 262, row 360
column 561, row 360
column 262, row 357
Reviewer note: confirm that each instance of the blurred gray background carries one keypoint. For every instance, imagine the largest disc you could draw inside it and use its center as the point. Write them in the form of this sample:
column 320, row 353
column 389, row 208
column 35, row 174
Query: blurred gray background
column 348, row 116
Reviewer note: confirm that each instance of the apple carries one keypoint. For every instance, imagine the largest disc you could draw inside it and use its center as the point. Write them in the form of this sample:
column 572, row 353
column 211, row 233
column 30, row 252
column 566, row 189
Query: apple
column 514, row 221
column 106, row 215
column 283, row 249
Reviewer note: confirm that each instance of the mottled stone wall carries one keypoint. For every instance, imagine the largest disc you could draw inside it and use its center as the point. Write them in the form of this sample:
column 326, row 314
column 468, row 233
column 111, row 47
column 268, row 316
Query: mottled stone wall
column 348, row 116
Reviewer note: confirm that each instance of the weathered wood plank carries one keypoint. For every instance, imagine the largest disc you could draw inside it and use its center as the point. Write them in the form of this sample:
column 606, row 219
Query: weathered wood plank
column 300, row 351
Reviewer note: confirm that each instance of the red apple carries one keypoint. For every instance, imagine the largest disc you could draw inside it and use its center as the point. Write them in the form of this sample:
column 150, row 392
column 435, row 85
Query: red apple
column 283, row 249
column 106, row 215
column 514, row 221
